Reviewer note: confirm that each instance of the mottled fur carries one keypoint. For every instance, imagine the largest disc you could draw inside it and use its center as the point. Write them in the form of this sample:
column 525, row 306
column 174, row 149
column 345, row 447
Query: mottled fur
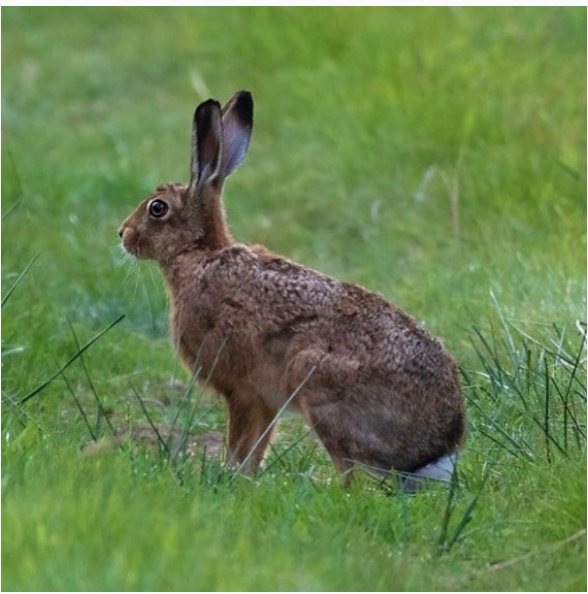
column 377, row 388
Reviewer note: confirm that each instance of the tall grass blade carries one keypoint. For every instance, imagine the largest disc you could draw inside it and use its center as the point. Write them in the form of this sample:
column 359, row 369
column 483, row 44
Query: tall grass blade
column 18, row 280
column 101, row 410
column 162, row 443
column 79, row 407
column 72, row 360
column 466, row 517
column 446, row 541
column 531, row 393
column 11, row 208
column 279, row 456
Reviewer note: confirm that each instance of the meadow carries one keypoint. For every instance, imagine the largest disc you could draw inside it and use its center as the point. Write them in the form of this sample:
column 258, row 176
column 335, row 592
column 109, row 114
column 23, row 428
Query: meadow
column 437, row 156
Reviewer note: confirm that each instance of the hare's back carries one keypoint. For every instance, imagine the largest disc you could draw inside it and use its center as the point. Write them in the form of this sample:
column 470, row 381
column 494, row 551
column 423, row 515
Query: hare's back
column 274, row 296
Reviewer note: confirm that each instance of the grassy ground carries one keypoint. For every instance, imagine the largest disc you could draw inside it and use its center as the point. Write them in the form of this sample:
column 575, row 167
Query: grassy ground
column 437, row 156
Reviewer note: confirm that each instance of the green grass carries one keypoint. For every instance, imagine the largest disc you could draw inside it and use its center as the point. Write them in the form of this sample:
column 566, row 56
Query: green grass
column 437, row 156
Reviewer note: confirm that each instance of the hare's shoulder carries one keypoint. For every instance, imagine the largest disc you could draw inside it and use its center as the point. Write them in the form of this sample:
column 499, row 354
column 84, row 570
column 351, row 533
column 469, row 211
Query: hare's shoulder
column 280, row 293
column 256, row 274
column 256, row 270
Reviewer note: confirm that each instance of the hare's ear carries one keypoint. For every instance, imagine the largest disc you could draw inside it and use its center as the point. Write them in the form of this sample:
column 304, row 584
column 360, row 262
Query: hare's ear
column 237, row 127
column 207, row 132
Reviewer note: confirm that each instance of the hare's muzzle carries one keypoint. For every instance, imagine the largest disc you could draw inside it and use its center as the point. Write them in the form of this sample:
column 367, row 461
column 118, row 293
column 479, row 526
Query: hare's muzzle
column 128, row 240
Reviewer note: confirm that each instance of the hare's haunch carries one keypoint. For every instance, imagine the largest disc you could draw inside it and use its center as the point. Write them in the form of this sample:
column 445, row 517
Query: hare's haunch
column 380, row 392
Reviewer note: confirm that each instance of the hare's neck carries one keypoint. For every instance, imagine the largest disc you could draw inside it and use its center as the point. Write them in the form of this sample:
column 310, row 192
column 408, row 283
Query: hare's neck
column 216, row 228
column 181, row 267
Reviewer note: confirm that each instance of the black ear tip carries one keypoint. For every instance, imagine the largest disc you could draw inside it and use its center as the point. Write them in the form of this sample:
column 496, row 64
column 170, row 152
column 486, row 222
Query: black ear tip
column 243, row 105
column 207, row 106
column 245, row 96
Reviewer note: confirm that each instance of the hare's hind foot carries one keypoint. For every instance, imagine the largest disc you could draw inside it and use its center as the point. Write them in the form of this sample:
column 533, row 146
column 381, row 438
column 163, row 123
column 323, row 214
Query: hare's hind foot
column 345, row 467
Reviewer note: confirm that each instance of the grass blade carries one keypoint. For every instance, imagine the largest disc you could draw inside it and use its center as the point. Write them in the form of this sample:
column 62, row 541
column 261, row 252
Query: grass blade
column 101, row 409
column 162, row 443
column 72, row 360
column 18, row 280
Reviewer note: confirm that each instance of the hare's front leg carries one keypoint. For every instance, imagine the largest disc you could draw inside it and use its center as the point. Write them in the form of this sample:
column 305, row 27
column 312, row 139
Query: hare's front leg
column 249, row 430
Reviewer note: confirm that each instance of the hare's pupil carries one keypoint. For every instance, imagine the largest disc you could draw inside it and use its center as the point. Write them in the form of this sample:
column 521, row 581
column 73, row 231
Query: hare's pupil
column 158, row 208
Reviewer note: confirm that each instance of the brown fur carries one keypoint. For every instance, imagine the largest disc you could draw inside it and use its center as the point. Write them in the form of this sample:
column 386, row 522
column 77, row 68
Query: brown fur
column 377, row 388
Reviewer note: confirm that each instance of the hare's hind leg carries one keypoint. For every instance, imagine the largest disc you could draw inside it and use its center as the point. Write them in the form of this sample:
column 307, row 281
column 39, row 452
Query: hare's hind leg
column 312, row 374
column 330, row 437
column 249, row 431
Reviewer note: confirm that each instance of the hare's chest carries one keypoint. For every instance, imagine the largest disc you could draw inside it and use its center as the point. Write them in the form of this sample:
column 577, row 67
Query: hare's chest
column 194, row 334
column 211, row 335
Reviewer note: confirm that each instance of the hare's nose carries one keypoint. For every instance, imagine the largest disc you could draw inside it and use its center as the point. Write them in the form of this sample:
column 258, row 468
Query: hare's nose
column 121, row 231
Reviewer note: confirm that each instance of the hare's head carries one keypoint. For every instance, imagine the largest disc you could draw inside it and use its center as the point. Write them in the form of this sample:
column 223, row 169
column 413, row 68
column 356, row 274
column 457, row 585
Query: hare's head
column 178, row 218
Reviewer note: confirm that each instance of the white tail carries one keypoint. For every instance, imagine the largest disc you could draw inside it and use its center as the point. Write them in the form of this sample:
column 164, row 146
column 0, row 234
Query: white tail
column 441, row 470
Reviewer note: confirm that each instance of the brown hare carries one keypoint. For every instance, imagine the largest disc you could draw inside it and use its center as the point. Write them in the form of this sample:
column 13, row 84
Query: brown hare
column 380, row 392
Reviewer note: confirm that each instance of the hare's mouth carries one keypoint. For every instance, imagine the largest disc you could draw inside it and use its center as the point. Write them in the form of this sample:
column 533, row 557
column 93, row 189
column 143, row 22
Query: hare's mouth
column 134, row 252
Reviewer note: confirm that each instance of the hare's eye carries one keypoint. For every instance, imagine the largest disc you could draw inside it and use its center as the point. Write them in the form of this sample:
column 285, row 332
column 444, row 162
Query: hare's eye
column 158, row 208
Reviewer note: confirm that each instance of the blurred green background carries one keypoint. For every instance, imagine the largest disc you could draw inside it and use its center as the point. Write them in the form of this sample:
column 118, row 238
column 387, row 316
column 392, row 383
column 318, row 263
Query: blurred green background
column 435, row 155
